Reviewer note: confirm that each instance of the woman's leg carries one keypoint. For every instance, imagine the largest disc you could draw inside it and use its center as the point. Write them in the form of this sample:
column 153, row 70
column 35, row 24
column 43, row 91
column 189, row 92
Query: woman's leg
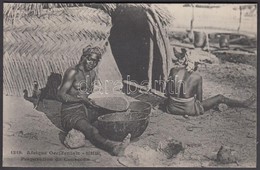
column 214, row 101
column 91, row 133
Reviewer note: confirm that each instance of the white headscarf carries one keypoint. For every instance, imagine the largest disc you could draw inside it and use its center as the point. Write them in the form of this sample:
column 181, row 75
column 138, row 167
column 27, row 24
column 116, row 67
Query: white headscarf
column 189, row 62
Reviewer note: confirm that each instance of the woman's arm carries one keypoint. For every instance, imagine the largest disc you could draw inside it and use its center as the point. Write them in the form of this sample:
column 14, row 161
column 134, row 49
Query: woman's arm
column 170, row 86
column 65, row 86
column 67, row 82
column 199, row 89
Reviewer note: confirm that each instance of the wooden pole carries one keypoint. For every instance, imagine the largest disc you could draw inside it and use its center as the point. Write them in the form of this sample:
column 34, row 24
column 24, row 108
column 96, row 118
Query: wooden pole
column 192, row 18
column 240, row 18
column 151, row 57
column 166, row 58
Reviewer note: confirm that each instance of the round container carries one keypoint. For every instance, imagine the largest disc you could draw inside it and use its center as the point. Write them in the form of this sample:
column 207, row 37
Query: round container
column 224, row 41
column 199, row 39
column 113, row 103
column 116, row 126
column 138, row 106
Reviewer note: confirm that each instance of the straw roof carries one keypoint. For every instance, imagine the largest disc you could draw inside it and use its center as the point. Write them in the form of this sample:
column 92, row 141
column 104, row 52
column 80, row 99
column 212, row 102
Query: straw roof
column 36, row 46
column 43, row 38
column 50, row 28
column 18, row 10
column 54, row 33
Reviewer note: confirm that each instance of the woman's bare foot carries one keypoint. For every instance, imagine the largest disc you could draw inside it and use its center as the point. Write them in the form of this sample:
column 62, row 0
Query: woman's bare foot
column 119, row 149
column 249, row 101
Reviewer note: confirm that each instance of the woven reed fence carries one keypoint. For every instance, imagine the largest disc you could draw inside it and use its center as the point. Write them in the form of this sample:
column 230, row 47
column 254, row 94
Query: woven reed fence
column 36, row 46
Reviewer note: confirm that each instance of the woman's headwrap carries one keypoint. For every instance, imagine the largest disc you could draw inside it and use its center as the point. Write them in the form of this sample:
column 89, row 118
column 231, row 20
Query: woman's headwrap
column 188, row 60
column 190, row 63
column 91, row 50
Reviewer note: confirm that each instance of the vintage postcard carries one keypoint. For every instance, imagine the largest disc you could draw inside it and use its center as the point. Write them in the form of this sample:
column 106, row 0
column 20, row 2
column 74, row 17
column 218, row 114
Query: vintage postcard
column 129, row 85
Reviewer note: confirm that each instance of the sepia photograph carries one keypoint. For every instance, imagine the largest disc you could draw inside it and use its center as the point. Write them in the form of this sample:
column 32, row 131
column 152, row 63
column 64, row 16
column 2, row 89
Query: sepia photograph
column 130, row 85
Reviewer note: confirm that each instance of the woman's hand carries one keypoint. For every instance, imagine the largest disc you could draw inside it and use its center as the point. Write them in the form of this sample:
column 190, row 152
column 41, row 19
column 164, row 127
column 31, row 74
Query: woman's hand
column 88, row 101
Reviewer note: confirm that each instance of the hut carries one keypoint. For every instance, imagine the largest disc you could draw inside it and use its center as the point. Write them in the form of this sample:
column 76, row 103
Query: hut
column 41, row 38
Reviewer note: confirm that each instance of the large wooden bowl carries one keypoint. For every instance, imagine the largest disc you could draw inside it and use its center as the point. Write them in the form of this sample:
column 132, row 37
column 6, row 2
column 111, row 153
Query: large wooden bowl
column 112, row 103
column 116, row 126
column 138, row 106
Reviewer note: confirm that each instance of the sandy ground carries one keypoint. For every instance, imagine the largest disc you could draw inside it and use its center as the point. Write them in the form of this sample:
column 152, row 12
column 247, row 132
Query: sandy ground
column 28, row 131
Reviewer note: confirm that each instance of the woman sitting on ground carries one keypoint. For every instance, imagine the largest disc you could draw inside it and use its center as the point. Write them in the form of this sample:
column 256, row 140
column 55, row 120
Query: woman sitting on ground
column 184, row 91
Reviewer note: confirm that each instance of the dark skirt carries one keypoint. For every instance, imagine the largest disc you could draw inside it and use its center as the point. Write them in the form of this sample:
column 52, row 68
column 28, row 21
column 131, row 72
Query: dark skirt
column 71, row 113
column 179, row 106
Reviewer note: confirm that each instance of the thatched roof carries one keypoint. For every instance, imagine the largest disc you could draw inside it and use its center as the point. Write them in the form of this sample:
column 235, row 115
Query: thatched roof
column 42, row 38
column 55, row 33
column 62, row 23
column 18, row 10
column 35, row 46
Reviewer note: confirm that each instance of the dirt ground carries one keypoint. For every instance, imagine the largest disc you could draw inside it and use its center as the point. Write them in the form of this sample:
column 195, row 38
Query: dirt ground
column 30, row 139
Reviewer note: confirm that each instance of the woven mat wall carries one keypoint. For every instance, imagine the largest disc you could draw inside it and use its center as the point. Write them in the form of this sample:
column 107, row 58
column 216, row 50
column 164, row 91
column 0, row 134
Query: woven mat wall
column 36, row 46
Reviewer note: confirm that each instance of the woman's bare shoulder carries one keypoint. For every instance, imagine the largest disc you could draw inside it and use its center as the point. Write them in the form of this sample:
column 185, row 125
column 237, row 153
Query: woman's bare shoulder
column 175, row 70
column 70, row 72
column 196, row 76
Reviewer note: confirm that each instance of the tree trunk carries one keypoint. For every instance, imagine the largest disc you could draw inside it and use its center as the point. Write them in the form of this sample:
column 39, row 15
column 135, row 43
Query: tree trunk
column 191, row 33
column 240, row 18
column 192, row 19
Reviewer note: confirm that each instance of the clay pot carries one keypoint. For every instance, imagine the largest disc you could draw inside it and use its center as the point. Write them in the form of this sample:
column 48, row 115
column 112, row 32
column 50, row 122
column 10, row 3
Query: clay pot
column 199, row 39
column 224, row 41
column 116, row 126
